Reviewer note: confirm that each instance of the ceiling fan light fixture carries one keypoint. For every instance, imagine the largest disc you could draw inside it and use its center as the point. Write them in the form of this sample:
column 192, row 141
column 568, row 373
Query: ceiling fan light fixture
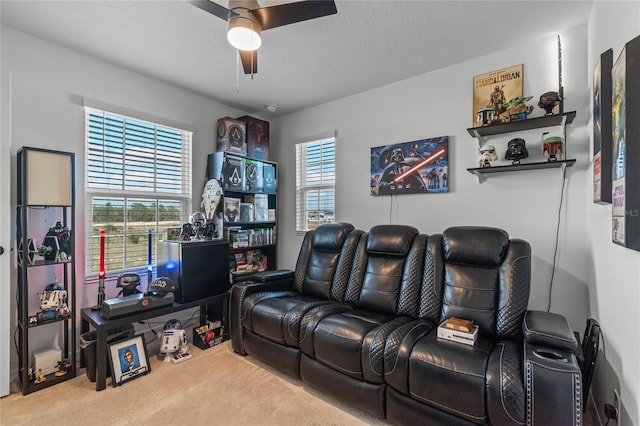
column 244, row 33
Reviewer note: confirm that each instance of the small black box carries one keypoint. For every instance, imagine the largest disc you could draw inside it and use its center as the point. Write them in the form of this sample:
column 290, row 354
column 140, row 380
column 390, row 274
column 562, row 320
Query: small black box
column 199, row 268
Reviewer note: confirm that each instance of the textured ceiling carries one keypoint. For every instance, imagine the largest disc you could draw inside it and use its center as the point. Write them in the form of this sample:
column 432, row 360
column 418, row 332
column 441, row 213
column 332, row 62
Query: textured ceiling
column 367, row 44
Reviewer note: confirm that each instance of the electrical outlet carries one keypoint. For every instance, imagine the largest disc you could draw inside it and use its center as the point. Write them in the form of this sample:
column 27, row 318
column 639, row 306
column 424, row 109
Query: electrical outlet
column 616, row 405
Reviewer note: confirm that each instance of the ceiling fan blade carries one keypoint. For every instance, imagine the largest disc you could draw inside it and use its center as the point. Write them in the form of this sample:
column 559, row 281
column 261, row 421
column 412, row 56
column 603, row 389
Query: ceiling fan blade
column 289, row 13
column 213, row 8
column 249, row 60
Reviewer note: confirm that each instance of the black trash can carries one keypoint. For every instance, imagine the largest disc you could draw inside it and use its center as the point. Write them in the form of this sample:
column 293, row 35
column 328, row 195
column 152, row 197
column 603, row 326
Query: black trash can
column 88, row 342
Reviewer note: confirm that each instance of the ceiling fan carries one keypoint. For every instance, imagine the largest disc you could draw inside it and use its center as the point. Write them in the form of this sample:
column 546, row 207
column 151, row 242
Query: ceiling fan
column 247, row 20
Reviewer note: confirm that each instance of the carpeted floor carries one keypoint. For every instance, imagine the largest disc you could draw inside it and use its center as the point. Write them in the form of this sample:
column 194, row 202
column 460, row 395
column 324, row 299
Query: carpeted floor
column 216, row 387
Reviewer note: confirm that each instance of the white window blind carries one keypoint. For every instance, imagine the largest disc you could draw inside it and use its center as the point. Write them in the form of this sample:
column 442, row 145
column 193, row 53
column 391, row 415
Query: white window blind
column 138, row 183
column 315, row 183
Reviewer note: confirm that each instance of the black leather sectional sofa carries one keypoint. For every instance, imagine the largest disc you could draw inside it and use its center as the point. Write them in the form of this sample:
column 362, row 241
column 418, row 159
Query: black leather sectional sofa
column 358, row 319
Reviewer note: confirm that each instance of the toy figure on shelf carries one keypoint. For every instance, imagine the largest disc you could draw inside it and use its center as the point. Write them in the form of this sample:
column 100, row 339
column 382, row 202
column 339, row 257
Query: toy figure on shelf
column 516, row 150
column 31, row 373
column 516, row 109
column 487, row 154
column 53, row 304
column 63, row 367
column 174, row 340
column 39, row 376
column 198, row 224
column 552, row 147
column 56, row 245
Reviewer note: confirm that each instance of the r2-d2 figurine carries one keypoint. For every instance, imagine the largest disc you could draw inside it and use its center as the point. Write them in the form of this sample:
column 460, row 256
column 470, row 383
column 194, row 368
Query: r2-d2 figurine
column 174, row 340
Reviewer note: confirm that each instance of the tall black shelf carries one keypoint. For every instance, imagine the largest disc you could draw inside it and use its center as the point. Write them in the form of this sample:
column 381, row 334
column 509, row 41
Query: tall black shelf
column 233, row 172
column 45, row 182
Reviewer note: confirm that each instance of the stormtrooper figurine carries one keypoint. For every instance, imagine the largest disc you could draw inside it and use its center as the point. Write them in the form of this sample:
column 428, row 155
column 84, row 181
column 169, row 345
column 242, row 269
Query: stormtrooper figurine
column 174, row 340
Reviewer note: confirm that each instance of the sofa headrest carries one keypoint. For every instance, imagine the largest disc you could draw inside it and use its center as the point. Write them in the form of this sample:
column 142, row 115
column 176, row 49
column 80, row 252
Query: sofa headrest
column 476, row 245
column 391, row 239
column 331, row 236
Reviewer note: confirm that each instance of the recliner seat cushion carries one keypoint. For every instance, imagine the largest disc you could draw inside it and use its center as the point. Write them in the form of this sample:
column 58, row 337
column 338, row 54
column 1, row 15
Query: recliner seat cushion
column 278, row 318
column 338, row 339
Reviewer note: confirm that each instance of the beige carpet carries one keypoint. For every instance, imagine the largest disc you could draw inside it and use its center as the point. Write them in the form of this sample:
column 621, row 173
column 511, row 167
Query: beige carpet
column 215, row 387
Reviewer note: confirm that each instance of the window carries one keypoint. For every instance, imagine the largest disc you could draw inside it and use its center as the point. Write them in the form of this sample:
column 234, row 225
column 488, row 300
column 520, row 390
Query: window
column 315, row 183
column 138, row 183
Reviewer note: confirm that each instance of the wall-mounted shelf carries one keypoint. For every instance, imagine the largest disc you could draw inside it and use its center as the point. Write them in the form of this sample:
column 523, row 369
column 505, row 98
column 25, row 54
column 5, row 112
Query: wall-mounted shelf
column 521, row 125
column 478, row 171
column 481, row 133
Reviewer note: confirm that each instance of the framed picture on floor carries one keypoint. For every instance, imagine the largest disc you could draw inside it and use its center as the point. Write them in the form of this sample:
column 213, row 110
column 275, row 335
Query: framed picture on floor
column 129, row 359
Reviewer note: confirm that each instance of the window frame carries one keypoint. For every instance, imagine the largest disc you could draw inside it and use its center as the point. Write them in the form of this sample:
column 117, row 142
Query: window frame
column 183, row 196
column 303, row 189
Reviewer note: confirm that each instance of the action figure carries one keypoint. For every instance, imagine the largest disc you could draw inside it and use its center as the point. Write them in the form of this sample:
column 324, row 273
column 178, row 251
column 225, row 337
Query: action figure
column 39, row 376
column 174, row 340
column 63, row 367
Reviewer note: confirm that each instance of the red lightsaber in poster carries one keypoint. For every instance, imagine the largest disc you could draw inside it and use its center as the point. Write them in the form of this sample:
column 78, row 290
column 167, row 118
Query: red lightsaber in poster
column 430, row 159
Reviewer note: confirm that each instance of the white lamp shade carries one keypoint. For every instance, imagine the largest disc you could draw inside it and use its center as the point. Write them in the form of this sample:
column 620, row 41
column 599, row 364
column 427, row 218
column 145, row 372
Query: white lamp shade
column 244, row 34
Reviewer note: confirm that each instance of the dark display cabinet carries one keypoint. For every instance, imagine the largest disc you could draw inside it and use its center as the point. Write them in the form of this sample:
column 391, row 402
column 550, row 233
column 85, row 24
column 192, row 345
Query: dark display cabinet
column 249, row 211
column 46, row 282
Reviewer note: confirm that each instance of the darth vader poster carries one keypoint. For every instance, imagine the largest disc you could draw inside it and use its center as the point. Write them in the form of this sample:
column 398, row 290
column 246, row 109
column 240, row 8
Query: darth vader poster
column 417, row 167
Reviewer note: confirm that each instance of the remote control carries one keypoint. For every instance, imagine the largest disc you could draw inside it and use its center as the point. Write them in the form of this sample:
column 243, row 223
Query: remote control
column 176, row 359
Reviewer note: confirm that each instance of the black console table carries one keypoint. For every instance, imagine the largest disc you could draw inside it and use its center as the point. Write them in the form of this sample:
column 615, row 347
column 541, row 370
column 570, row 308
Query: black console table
column 102, row 326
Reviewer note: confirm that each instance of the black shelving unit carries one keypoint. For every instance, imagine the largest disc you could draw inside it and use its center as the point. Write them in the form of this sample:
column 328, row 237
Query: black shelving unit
column 46, row 189
column 236, row 183
column 519, row 126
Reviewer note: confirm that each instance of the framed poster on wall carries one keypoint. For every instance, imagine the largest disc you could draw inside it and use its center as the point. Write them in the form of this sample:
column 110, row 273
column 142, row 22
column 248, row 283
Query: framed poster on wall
column 602, row 133
column 417, row 167
column 625, row 107
column 493, row 89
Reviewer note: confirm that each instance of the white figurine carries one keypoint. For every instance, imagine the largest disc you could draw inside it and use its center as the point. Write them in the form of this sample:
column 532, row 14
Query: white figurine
column 211, row 198
column 174, row 340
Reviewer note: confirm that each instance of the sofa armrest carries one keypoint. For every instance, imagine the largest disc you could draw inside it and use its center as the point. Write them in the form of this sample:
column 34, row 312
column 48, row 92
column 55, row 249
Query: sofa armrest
column 553, row 378
column 239, row 292
column 270, row 276
column 548, row 330
column 553, row 386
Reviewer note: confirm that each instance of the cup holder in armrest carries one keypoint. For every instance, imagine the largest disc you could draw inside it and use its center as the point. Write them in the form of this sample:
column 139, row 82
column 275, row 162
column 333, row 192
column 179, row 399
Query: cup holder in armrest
column 546, row 354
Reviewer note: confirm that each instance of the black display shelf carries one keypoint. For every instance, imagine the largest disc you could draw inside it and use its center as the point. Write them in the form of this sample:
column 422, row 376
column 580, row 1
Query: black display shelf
column 478, row 171
column 241, row 249
column 521, row 125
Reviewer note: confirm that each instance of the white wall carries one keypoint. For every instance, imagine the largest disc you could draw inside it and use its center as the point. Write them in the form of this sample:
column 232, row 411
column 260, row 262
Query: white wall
column 48, row 84
column 439, row 103
column 586, row 282
column 614, row 276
